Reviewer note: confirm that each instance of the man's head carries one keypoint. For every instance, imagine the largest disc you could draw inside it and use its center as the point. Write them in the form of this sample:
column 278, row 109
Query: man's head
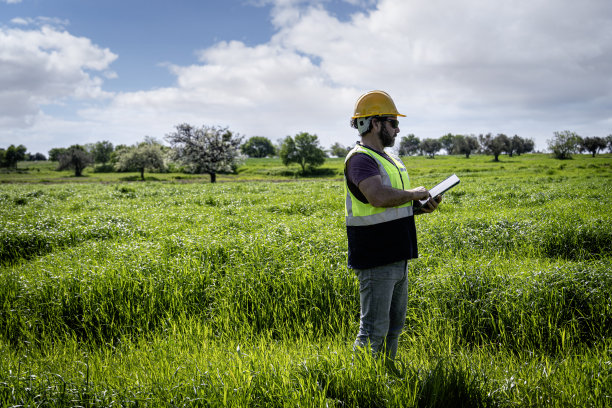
column 387, row 130
column 375, row 111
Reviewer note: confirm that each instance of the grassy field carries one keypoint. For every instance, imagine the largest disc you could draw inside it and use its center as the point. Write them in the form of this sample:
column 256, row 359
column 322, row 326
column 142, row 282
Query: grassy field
column 178, row 292
column 250, row 170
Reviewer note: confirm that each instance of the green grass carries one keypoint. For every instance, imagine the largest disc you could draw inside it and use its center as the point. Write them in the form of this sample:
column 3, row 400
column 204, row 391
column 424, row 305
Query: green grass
column 251, row 170
column 271, row 169
column 237, row 293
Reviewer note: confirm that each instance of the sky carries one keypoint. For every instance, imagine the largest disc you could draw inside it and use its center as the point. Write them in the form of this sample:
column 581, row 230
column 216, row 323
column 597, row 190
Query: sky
column 83, row 71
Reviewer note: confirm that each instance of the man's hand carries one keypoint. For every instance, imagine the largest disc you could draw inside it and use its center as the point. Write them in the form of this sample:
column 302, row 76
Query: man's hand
column 419, row 193
column 431, row 204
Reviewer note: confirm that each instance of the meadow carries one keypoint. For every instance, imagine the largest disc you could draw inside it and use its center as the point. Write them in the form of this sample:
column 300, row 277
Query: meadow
column 178, row 292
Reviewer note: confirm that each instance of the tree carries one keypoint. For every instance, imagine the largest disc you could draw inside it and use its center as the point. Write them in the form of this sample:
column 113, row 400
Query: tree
column 564, row 144
column 303, row 150
column 205, row 150
column 516, row 145
column 12, row 155
column 495, row 145
column 37, row 157
column 338, row 150
column 258, row 146
column 75, row 157
column 447, row 142
column 594, row 144
column 56, row 152
column 145, row 156
column 522, row 145
column 409, row 145
column 101, row 151
column 114, row 157
column 465, row 145
column 430, row 146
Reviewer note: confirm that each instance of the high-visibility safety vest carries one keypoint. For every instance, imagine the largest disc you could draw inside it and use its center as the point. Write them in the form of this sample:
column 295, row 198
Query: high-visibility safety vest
column 393, row 174
column 376, row 235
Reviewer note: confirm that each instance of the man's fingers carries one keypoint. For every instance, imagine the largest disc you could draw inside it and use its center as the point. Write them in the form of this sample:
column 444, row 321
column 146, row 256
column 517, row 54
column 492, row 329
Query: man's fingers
column 432, row 204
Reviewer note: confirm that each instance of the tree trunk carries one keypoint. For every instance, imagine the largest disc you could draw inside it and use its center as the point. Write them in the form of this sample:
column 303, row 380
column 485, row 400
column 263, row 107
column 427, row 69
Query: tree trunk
column 142, row 174
column 496, row 158
column 213, row 177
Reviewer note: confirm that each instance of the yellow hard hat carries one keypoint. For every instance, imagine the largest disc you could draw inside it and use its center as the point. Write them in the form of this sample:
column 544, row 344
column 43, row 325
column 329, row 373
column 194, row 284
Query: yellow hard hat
column 375, row 103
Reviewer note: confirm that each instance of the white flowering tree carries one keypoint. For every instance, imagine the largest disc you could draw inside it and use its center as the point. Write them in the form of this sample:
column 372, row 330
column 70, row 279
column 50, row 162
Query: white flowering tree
column 205, row 150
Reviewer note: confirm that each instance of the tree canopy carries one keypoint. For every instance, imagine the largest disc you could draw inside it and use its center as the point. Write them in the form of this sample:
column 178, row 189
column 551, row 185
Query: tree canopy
column 55, row 153
column 13, row 154
column 564, row 144
column 495, row 145
column 465, row 145
column 593, row 144
column 430, row 146
column 101, row 151
column 339, row 150
column 448, row 142
column 521, row 145
column 76, row 158
column 205, row 150
column 303, row 149
column 409, row 145
column 36, row 157
column 258, row 146
column 144, row 156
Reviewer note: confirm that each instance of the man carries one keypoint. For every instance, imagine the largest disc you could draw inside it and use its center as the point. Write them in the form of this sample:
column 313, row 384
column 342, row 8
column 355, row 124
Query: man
column 380, row 223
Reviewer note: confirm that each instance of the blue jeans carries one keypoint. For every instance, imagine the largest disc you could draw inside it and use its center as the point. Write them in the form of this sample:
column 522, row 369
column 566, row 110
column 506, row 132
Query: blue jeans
column 383, row 292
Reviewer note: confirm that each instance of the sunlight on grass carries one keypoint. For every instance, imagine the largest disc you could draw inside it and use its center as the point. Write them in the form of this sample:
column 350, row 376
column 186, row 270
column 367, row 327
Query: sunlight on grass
column 238, row 294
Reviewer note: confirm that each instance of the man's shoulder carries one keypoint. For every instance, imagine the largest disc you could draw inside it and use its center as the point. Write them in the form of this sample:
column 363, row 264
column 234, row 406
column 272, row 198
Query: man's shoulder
column 361, row 166
column 360, row 158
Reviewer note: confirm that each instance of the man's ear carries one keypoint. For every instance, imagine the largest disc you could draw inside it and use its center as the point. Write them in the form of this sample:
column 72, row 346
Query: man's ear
column 376, row 124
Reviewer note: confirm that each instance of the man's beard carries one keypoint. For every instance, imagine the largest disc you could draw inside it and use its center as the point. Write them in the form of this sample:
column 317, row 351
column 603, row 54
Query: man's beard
column 386, row 138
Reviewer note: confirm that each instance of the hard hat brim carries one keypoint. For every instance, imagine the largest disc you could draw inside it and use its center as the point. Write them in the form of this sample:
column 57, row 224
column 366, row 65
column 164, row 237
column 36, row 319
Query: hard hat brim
column 378, row 114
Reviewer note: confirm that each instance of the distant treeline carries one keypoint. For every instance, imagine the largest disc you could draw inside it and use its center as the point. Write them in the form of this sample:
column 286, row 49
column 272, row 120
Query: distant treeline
column 212, row 150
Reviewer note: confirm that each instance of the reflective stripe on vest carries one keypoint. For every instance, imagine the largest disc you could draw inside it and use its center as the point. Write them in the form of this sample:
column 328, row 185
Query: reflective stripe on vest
column 393, row 175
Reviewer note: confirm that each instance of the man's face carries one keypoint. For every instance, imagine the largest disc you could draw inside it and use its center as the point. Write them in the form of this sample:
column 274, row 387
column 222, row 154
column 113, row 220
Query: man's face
column 388, row 132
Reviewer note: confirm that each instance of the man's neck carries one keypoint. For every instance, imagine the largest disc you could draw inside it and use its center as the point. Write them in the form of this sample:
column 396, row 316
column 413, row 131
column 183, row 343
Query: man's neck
column 372, row 141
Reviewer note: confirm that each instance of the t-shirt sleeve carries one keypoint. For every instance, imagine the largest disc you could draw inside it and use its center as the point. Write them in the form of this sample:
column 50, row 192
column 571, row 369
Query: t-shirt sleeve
column 360, row 167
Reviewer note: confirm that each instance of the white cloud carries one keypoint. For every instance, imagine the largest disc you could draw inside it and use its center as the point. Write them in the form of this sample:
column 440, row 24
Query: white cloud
column 20, row 21
column 11, row 1
column 264, row 90
column 504, row 54
column 470, row 66
column 40, row 21
column 471, row 60
column 46, row 66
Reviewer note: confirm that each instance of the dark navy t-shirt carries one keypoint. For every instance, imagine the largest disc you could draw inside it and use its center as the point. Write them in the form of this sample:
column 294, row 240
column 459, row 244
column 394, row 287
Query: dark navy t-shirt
column 360, row 167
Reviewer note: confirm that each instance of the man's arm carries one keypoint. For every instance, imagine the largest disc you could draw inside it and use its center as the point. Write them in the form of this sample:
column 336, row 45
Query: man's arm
column 383, row 196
